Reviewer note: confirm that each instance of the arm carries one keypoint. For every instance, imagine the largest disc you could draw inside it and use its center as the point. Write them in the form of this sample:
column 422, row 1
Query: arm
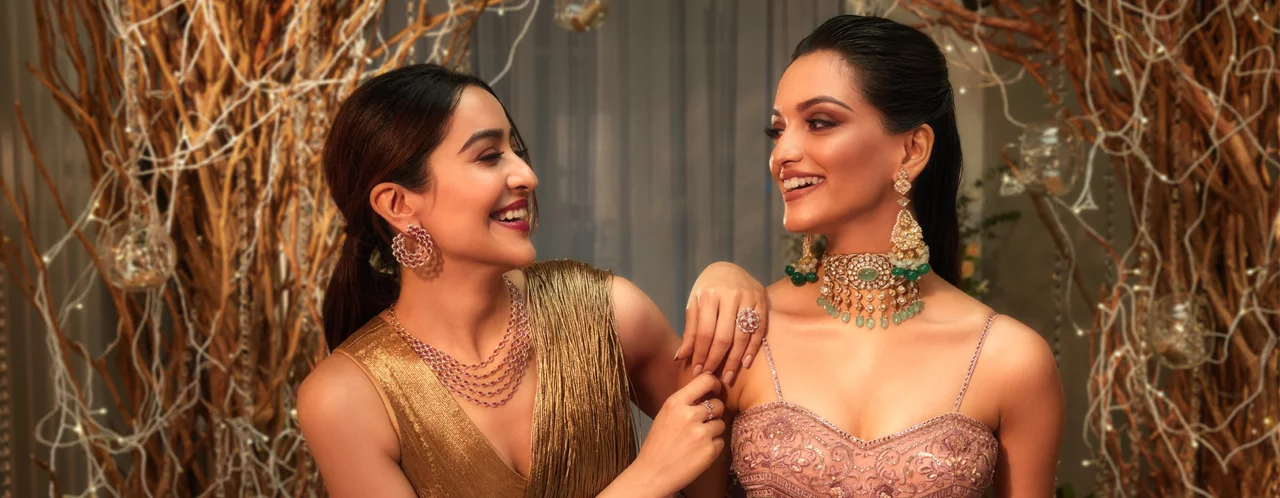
column 648, row 345
column 349, row 433
column 1031, row 413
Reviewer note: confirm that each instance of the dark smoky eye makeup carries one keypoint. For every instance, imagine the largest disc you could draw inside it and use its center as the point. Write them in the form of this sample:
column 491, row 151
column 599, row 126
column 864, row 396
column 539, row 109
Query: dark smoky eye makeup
column 820, row 122
column 774, row 130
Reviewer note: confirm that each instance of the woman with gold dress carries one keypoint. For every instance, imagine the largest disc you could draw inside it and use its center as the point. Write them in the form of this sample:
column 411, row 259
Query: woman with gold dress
column 462, row 368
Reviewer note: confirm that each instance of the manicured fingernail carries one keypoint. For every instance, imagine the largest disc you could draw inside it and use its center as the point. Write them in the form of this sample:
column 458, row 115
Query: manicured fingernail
column 728, row 377
column 677, row 356
column 697, row 369
column 746, row 362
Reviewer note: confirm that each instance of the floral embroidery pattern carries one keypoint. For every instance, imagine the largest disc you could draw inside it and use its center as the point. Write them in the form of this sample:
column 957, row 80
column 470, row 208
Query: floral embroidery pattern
column 784, row 450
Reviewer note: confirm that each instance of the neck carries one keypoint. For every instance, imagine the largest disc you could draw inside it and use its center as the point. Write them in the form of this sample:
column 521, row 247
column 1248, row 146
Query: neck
column 463, row 309
column 865, row 233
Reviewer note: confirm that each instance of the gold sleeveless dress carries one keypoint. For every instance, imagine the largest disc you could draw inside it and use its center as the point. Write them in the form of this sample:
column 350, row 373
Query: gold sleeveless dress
column 582, row 430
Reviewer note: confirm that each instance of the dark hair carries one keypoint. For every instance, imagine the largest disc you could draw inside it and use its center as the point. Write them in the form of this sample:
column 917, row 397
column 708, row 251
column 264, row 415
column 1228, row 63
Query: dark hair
column 384, row 132
column 902, row 73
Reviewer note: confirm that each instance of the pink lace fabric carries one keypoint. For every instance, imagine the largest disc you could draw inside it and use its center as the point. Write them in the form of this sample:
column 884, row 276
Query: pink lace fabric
column 781, row 449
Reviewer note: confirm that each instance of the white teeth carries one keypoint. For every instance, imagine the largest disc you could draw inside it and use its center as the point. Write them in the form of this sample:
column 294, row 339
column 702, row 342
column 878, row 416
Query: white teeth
column 514, row 214
column 801, row 181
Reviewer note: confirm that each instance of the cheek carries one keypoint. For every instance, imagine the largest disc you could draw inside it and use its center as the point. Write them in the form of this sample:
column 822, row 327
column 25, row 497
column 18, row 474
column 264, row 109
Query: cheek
column 462, row 199
column 858, row 160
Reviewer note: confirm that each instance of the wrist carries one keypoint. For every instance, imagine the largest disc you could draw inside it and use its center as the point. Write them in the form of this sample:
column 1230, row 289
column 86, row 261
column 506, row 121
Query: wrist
column 637, row 481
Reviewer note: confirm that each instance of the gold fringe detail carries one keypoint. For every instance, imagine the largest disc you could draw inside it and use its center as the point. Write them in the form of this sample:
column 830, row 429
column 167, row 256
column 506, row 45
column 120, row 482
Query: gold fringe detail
column 583, row 436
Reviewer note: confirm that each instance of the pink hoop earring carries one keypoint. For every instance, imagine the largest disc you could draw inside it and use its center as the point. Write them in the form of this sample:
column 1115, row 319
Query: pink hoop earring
column 420, row 255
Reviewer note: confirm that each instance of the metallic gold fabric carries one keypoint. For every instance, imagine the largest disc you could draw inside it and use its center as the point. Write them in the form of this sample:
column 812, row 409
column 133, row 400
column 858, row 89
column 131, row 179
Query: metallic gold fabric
column 582, row 433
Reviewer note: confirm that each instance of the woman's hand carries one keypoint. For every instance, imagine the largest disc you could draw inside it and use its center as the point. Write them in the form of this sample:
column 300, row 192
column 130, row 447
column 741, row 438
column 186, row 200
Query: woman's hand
column 712, row 341
column 686, row 437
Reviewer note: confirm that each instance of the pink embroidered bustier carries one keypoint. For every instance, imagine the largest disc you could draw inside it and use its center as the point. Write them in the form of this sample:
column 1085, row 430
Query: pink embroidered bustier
column 781, row 449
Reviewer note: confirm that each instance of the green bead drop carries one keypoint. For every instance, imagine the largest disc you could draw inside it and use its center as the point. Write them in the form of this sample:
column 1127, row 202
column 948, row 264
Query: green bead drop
column 811, row 277
column 845, row 317
column 897, row 318
column 860, row 321
column 790, row 270
column 884, row 322
column 871, row 324
column 912, row 276
column 897, row 271
column 797, row 279
column 924, row 268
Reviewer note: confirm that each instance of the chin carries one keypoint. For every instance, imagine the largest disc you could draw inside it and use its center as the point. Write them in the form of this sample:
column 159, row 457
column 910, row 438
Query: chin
column 524, row 256
column 800, row 221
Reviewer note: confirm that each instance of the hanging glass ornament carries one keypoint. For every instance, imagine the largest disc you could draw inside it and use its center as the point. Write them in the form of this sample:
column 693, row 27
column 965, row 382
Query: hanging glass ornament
column 1176, row 330
column 1052, row 157
column 1009, row 184
column 581, row 15
column 876, row 8
column 138, row 252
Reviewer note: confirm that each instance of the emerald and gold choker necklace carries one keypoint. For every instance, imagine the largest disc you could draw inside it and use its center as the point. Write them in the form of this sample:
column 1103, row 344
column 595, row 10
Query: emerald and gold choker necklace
column 871, row 288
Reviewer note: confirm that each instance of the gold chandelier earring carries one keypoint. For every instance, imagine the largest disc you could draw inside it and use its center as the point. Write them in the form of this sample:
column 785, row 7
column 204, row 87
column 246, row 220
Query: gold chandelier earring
column 879, row 288
column 805, row 269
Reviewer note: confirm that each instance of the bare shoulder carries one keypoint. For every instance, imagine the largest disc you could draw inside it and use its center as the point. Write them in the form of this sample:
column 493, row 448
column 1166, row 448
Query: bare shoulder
column 1018, row 347
column 337, row 401
column 640, row 323
column 1025, row 370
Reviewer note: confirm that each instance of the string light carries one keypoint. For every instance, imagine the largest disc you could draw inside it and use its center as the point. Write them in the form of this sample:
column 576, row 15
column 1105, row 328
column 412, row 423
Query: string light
column 297, row 92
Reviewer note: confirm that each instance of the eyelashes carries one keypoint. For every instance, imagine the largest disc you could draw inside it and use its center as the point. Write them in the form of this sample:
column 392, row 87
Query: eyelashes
column 774, row 132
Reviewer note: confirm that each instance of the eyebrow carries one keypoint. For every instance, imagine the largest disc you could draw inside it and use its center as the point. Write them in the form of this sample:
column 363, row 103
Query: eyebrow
column 481, row 135
column 815, row 101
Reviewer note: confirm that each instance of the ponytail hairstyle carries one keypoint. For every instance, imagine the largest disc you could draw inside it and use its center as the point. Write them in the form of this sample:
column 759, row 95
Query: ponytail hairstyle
column 384, row 132
column 901, row 72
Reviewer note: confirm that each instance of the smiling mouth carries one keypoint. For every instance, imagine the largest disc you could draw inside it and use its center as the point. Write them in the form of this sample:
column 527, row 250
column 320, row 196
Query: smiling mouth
column 512, row 215
column 801, row 183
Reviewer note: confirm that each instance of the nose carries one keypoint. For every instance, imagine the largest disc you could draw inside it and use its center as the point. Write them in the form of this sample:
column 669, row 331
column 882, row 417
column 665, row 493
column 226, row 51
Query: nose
column 785, row 152
column 522, row 177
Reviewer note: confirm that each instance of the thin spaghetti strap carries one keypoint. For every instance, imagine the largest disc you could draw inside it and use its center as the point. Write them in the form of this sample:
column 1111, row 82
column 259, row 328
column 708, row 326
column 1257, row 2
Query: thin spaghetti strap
column 974, row 362
column 777, row 388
